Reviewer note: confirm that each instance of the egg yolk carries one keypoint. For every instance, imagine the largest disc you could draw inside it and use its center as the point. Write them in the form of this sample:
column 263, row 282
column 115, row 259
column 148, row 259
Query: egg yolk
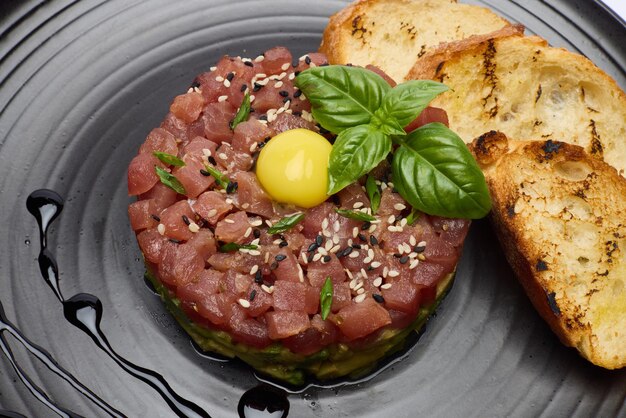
column 293, row 167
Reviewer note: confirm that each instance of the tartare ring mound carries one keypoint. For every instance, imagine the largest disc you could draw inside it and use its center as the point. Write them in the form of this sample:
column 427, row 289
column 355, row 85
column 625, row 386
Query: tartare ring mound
column 203, row 220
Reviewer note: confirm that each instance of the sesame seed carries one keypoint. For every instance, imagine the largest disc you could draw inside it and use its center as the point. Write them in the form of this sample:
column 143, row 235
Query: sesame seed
column 421, row 257
column 319, row 240
column 254, row 146
column 244, row 303
column 335, row 248
column 421, row 244
column 252, row 97
column 156, row 218
column 307, row 60
column 161, row 229
column 378, row 298
column 354, row 254
column 212, row 213
column 399, row 206
column 267, row 257
column 353, row 283
column 413, row 264
column 385, row 271
column 346, row 251
column 259, row 58
column 267, row 289
column 336, row 226
column 304, row 259
column 355, row 232
column 328, row 245
column 412, row 241
column 291, row 76
column 406, row 247
column 314, row 246
column 349, row 273
column 300, row 274
column 360, row 298
column 280, row 257
column 393, row 273
column 391, row 219
column 252, row 295
column 278, row 84
column 256, row 222
column 229, row 221
column 358, row 285
column 327, row 233
column 283, row 244
column 322, row 251
column 193, row 227
column 254, row 269
column 285, row 66
column 268, row 223
column 375, row 264
column 335, row 239
column 386, row 286
column 363, row 273
column 357, row 205
column 371, row 229
column 317, row 257
column 222, row 156
column 226, row 83
column 212, row 68
column 254, row 252
column 377, row 281
column 367, row 260
column 222, row 98
column 325, row 223
column 360, row 291
column 326, row 259
column 219, row 78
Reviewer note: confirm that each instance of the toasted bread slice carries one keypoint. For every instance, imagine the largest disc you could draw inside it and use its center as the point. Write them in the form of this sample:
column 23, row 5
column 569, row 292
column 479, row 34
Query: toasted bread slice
column 392, row 34
column 526, row 89
column 560, row 215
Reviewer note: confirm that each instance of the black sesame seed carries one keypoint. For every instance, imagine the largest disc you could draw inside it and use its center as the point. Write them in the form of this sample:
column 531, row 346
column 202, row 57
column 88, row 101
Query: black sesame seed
column 397, row 255
column 283, row 93
column 230, row 76
column 366, row 225
column 258, row 277
column 243, row 88
column 373, row 240
column 274, row 265
column 310, row 257
column 283, row 244
column 286, row 99
column 263, row 117
column 297, row 114
column 314, row 246
column 378, row 298
column 231, row 186
column 280, row 257
column 346, row 251
column 186, row 220
column 404, row 259
column 248, row 63
column 156, row 218
column 419, row 249
column 362, row 237
column 252, row 295
column 307, row 60
column 326, row 258
column 204, row 172
column 297, row 94
column 261, row 145
column 175, row 241
column 296, row 73
column 256, row 233
column 319, row 240
column 212, row 160
column 194, row 85
column 356, row 246
column 370, row 268
column 257, row 87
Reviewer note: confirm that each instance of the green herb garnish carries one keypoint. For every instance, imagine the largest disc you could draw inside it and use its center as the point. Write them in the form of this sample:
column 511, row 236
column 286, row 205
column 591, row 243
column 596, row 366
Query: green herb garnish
column 243, row 112
column 373, row 193
column 231, row 246
column 412, row 217
column 169, row 159
column 326, row 297
column 432, row 168
column 356, row 215
column 286, row 223
column 170, row 180
column 220, row 178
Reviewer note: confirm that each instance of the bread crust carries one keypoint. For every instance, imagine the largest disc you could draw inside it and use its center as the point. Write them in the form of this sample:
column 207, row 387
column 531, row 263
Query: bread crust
column 560, row 215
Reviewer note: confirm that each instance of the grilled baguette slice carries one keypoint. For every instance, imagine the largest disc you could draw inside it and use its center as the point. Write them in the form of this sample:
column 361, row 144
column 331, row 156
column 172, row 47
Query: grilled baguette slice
column 392, row 34
column 560, row 215
column 526, row 89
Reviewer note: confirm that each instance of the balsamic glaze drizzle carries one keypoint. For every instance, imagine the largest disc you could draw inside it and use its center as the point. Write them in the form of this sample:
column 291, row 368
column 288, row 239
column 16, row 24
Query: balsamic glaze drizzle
column 84, row 311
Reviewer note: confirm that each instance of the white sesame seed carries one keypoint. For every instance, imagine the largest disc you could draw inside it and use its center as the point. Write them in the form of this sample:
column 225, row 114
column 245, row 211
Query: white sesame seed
column 278, row 84
column 360, row 291
column 291, row 76
column 285, row 66
column 206, row 152
column 335, row 239
column 360, row 298
column 244, row 303
column 385, row 271
column 161, row 229
column 302, row 58
column 222, row 98
column 336, row 226
column 212, row 68
column 399, row 206
column 190, row 90
column 349, row 273
column 300, row 274
column 372, row 228
column 386, row 286
column 413, row 264
column 325, row 223
column 412, row 240
column 421, row 244
column 406, row 247
column 317, row 257
column 222, row 156
column 254, row 269
column 353, row 283
column 323, row 251
column 226, row 83
column 252, row 97
column 383, row 186
column 358, row 285
column 355, row 232
column 353, row 254
column 363, row 273
column 277, row 241
column 255, row 241
column 259, row 58
column 375, row 264
column 219, row 78
column 212, row 213
column 229, row 221
column 377, row 281
column 367, row 260
column 263, row 82
column 268, row 223
column 248, row 232
column 403, row 222
column 357, row 205
column 254, row 146
column 391, row 219
column 400, row 248
column 370, row 253
column 229, row 201
column 267, row 289
column 327, row 233
column 245, row 205
column 328, row 245
column 254, row 252
column 193, row 227
column 256, row 222
column 280, row 110
column 394, row 273
column 335, row 248
column 303, row 97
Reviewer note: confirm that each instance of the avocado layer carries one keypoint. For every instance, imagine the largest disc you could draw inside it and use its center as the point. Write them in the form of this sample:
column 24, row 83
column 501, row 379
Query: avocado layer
column 277, row 361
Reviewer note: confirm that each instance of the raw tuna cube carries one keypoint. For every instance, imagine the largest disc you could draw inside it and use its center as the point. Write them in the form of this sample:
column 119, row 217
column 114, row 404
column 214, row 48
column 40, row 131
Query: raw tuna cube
column 282, row 324
column 360, row 319
column 211, row 206
column 217, row 117
column 141, row 214
column 289, row 296
column 159, row 140
column 173, row 220
column 187, row 107
column 233, row 228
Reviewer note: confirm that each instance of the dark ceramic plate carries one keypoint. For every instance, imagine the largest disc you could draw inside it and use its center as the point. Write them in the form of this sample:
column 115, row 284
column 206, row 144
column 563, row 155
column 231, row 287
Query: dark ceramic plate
column 82, row 83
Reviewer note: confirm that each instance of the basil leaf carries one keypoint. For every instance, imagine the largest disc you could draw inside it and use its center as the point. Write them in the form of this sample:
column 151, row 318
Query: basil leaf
column 342, row 97
column 170, row 180
column 326, row 297
column 373, row 193
column 405, row 102
column 356, row 151
column 286, row 223
column 220, row 178
column 242, row 113
column 231, row 246
column 389, row 126
column 434, row 171
column 169, row 159
column 356, row 215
